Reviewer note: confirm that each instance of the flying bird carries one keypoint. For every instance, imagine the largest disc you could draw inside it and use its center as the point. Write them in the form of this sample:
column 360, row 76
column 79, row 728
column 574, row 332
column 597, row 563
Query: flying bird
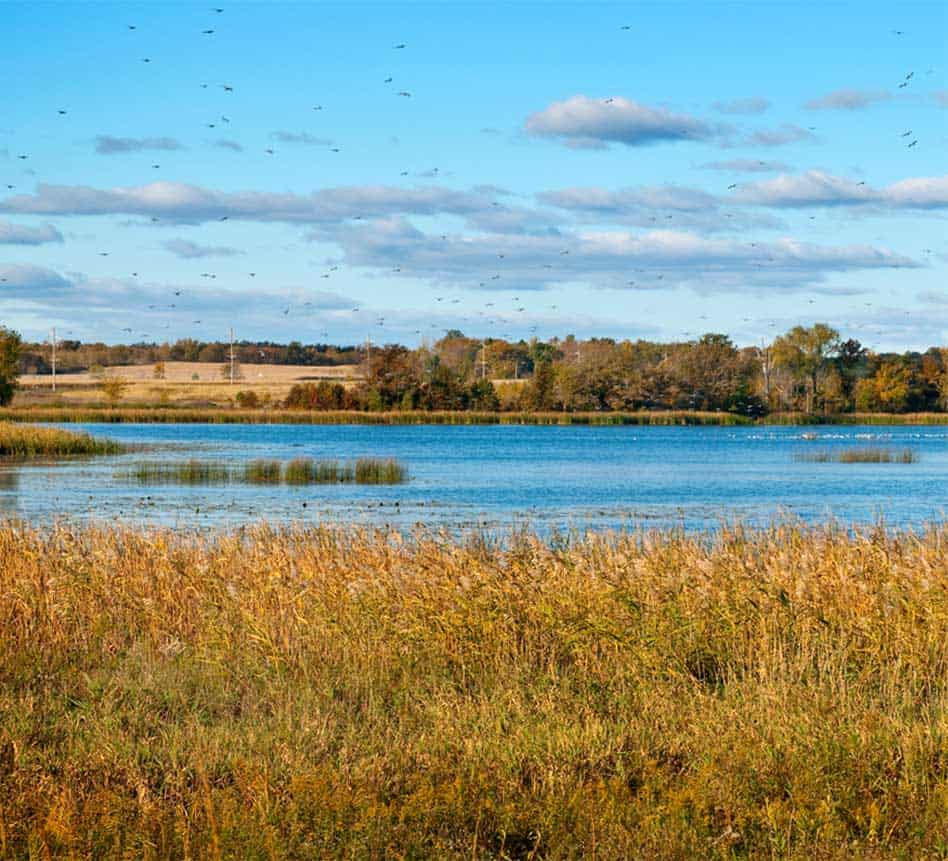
column 733, row 185
column 399, row 46
column 912, row 144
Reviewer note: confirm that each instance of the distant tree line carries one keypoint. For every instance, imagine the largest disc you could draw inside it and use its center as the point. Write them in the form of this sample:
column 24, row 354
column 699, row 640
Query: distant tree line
column 809, row 369
column 75, row 356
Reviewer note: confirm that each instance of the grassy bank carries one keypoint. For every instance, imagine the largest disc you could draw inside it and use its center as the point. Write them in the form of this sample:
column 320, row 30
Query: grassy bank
column 154, row 415
column 347, row 694
column 27, row 441
column 301, row 470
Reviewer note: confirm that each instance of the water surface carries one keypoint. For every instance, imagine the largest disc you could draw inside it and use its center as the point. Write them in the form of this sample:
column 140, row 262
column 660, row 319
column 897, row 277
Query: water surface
column 497, row 476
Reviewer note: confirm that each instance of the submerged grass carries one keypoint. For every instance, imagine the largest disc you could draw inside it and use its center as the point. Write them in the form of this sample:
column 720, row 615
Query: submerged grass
column 303, row 470
column 25, row 441
column 861, row 454
column 323, row 693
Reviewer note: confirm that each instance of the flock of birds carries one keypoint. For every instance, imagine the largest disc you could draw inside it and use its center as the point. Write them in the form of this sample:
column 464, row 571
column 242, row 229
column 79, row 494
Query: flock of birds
column 493, row 314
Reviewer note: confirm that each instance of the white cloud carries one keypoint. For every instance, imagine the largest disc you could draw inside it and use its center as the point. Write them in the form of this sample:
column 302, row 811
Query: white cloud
column 847, row 100
column 108, row 145
column 787, row 133
column 746, row 165
column 611, row 258
column 816, row 188
column 187, row 203
column 584, row 122
column 20, row 234
column 191, row 250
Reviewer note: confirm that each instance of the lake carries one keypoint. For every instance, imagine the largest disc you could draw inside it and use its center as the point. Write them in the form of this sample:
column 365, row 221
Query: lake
column 495, row 477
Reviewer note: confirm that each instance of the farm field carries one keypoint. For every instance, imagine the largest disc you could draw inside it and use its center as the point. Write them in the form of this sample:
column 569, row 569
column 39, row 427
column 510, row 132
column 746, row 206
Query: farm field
column 184, row 384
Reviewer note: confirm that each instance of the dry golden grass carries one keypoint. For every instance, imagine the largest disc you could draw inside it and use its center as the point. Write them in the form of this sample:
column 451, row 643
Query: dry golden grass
column 314, row 693
column 209, row 372
column 30, row 441
column 178, row 387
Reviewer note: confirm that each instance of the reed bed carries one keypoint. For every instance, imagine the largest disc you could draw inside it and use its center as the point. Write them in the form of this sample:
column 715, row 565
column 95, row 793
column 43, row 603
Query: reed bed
column 263, row 472
column 324, row 693
column 28, row 441
column 299, row 471
column 191, row 415
column 186, row 415
column 184, row 472
column 860, row 454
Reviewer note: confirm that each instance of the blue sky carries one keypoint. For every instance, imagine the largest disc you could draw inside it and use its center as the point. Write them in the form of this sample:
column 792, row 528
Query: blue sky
column 635, row 170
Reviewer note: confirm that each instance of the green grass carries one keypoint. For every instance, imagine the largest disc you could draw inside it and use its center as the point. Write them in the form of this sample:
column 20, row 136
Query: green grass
column 30, row 441
column 861, row 454
column 300, row 471
column 348, row 694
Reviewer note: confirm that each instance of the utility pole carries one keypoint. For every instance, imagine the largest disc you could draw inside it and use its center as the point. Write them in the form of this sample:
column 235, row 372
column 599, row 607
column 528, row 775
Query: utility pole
column 368, row 356
column 232, row 356
column 53, row 340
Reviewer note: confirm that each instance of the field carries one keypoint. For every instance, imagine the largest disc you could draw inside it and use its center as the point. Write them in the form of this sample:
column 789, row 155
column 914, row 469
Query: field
column 347, row 694
column 185, row 383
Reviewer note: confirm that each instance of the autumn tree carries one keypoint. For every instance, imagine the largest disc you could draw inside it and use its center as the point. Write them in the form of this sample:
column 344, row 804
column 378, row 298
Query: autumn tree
column 806, row 354
column 114, row 388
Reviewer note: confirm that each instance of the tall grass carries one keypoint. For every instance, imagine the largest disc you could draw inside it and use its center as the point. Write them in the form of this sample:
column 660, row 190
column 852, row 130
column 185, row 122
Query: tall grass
column 183, row 472
column 154, row 415
column 262, row 472
column 860, row 454
column 26, row 441
column 370, row 470
column 316, row 693
column 212, row 415
column 303, row 470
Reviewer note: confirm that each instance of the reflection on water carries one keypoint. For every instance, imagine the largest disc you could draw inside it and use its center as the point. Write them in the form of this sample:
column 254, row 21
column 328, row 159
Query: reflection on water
column 9, row 485
column 495, row 477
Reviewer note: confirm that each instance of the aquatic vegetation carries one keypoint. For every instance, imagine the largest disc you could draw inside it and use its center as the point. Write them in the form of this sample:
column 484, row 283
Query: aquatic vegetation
column 302, row 470
column 183, row 472
column 25, row 441
column 859, row 454
column 314, row 692
column 373, row 471
column 262, row 472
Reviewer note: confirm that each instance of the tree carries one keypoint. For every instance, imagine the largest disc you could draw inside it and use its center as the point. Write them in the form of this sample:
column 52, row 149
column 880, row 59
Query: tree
column 114, row 388
column 10, row 347
column 538, row 394
column 806, row 354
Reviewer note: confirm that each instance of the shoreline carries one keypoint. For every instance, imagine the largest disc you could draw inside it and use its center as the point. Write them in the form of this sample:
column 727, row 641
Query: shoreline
column 662, row 418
